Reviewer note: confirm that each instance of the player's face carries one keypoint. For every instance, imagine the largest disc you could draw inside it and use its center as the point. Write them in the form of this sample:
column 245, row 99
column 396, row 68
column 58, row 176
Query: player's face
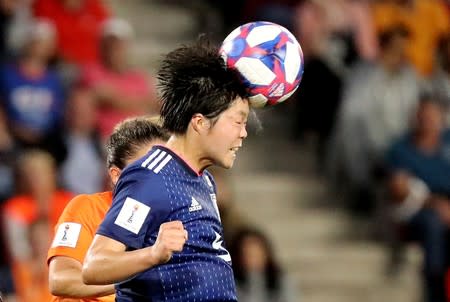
column 225, row 136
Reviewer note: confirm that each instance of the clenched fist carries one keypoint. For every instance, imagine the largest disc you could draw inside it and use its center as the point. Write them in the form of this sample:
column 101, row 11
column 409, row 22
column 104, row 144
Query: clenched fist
column 171, row 238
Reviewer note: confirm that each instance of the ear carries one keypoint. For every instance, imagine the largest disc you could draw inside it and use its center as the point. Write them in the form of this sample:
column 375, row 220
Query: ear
column 200, row 123
column 114, row 174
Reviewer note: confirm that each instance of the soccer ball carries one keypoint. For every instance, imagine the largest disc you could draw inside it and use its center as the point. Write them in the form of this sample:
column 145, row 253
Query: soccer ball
column 268, row 58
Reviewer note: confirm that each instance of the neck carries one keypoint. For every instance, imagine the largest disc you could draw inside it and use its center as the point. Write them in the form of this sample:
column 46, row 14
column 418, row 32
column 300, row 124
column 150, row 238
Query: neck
column 81, row 131
column 33, row 66
column 115, row 67
column 188, row 152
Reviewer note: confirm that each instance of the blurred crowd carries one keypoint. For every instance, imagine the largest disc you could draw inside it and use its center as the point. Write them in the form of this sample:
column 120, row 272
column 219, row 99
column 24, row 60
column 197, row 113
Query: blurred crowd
column 375, row 100
column 381, row 124
column 65, row 82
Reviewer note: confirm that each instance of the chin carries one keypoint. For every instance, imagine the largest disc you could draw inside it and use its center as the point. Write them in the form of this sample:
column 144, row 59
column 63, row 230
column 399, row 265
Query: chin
column 226, row 164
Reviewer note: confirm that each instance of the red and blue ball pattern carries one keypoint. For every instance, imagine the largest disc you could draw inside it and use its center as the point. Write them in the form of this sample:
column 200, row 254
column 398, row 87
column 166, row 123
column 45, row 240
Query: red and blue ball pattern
column 268, row 58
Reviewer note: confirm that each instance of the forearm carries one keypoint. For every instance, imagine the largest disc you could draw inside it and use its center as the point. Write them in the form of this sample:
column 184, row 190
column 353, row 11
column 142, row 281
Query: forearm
column 65, row 280
column 107, row 266
column 67, row 285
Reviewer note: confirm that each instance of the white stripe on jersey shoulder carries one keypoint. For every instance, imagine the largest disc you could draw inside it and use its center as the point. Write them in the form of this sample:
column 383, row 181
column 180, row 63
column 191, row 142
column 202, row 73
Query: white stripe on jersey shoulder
column 149, row 158
column 158, row 159
column 163, row 164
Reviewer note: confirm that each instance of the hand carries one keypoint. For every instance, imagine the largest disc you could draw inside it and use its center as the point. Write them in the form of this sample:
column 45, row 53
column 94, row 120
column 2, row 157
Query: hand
column 171, row 238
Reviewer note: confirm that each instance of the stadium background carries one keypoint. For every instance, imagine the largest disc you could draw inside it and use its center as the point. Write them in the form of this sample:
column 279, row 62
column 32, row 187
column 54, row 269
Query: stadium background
column 329, row 241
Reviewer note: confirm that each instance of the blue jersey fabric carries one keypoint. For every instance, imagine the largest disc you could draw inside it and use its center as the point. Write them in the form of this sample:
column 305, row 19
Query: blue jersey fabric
column 432, row 168
column 34, row 103
column 160, row 188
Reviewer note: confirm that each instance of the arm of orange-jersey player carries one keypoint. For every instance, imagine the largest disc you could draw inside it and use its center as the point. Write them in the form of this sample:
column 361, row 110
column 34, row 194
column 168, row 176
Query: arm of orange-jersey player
column 65, row 256
column 65, row 280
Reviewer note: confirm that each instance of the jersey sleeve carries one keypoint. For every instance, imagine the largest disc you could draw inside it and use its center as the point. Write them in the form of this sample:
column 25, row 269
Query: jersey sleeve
column 140, row 205
column 73, row 232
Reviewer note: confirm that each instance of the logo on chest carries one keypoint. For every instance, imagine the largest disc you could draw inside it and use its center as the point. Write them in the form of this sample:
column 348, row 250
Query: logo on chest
column 195, row 205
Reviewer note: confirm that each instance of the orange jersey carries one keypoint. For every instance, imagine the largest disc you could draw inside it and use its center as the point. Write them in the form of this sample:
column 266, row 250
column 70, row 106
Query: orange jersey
column 76, row 229
column 24, row 208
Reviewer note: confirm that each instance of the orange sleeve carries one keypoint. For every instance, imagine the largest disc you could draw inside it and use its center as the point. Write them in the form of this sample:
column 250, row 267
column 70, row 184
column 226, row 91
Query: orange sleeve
column 74, row 232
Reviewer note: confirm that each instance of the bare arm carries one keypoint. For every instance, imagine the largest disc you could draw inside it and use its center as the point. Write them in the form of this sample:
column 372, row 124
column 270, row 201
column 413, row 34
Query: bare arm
column 65, row 280
column 108, row 262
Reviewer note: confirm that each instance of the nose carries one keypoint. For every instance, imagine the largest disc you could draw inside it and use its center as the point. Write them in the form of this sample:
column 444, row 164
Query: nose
column 243, row 133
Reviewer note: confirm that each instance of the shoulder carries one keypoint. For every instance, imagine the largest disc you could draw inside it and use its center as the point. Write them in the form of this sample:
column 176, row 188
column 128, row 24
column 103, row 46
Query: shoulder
column 146, row 173
column 17, row 203
column 20, row 208
column 92, row 72
column 138, row 178
column 84, row 208
column 79, row 205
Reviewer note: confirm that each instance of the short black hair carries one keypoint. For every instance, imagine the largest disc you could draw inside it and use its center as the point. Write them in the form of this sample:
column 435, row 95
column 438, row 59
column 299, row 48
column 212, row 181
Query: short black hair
column 195, row 79
column 386, row 36
column 128, row 136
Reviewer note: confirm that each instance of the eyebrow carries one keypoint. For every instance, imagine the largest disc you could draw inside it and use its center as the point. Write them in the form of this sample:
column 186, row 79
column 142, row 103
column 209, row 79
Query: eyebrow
column 243, row 113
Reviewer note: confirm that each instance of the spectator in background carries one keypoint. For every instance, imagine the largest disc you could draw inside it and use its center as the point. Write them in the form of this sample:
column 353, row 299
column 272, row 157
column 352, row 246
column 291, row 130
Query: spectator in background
column 7, row 11
column 440, row 80
column 78, row 27
column 278, row 11
column 423, row 154
column 38, row 196
column 339, row 30
column 426, row 20
column 31, row 275
column 119, row 91
column 7, row 160
column 81, row 172
column 8, row 153
column 31, row 94
column 258, row 275
column 377, row 106
column 334, row 35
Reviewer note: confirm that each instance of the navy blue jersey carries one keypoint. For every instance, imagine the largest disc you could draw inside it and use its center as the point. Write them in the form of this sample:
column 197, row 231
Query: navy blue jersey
column 160, row 188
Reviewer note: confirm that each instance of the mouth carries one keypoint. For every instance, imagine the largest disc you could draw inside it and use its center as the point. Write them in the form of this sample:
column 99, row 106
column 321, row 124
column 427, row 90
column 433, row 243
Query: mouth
column 234, row 150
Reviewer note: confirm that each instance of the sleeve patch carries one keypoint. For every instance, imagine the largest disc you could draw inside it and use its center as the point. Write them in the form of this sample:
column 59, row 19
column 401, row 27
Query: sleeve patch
column 67, row 234
column 132, row 215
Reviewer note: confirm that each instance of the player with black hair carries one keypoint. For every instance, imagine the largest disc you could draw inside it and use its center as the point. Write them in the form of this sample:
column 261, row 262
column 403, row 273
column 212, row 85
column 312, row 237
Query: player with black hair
column 162, row 239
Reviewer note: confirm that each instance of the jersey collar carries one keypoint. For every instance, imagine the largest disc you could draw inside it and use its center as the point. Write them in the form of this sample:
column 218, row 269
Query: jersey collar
column 181, row 160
